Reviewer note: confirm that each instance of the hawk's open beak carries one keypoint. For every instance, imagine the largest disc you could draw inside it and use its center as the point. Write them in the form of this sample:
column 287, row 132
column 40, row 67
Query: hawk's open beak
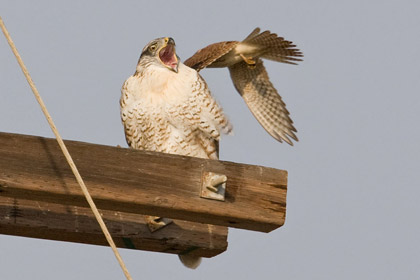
column 168, row 56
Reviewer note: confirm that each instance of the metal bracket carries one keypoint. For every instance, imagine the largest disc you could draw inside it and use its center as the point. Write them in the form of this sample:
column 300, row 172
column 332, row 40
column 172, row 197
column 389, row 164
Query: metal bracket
column 213, row 186
column 155, row 223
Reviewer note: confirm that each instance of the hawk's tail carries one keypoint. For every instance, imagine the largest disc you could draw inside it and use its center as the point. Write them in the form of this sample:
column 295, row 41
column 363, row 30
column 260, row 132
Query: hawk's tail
column 275, row 47
column 190, row 261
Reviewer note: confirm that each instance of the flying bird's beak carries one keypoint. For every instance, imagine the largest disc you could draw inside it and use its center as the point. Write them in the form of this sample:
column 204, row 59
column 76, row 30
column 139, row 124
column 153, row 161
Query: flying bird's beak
column 168, row 56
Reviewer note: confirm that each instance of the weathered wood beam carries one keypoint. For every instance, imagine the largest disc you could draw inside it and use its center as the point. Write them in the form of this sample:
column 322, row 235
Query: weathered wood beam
column 126, row 180
column 52, row 221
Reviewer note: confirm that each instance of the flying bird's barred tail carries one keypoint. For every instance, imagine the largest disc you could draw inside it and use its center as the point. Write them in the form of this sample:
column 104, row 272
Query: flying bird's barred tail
column 275, row 47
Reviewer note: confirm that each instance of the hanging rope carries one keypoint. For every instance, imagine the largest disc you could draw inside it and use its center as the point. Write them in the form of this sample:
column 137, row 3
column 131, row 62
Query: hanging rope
column 65, row 152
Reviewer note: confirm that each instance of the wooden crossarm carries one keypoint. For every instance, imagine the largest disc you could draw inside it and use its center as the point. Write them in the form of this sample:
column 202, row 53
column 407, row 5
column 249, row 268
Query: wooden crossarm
column 139, row 182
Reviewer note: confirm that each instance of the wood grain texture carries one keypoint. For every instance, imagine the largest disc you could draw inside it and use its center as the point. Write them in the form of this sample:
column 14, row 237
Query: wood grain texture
column 52, row 221
column 140, row 182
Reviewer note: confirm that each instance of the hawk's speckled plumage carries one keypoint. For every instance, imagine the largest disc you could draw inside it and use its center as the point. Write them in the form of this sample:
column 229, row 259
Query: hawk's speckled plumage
column 170, row 111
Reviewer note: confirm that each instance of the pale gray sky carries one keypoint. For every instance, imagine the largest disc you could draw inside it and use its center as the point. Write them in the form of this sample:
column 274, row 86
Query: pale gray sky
column 353, row 198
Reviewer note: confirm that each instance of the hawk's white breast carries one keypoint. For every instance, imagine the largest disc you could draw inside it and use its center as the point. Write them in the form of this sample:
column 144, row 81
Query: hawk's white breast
column 170, row 112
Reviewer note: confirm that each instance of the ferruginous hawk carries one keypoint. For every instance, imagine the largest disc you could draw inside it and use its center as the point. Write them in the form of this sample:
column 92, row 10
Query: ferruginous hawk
column 167, row 107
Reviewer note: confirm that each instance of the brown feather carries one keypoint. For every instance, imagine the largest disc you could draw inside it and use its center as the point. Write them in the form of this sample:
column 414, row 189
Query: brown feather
column 263, row 100
column 254, row 33
column 275, row 47
column 206, row 56
column 253, row 84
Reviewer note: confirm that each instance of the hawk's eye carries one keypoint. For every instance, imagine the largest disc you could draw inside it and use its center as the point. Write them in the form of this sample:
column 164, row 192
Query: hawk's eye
column 153, row 47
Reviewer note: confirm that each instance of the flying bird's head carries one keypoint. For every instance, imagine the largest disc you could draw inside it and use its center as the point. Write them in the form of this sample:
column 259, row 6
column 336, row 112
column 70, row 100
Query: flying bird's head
column 161, row 52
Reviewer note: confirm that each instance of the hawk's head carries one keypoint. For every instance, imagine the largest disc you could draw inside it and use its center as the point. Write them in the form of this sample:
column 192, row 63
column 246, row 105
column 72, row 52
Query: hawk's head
column 161, row 52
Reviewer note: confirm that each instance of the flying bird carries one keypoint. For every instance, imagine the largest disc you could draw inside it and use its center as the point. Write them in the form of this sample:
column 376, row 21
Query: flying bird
column 167, row 107
column 250, row 78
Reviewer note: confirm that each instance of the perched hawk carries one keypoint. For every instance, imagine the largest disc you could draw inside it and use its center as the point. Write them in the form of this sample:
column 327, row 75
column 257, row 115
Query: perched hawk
column 250, row 77
column 167, row 107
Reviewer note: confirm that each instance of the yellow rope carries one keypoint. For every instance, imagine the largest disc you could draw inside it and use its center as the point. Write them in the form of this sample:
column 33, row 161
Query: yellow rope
column 65, row 152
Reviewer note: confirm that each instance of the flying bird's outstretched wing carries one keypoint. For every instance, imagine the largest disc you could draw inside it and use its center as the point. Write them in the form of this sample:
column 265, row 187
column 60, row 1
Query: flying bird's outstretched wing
column 206, row 56
column 263, row 100
column 250, row 77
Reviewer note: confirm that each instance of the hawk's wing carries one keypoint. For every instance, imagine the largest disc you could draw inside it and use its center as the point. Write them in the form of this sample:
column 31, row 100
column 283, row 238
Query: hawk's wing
column 206, row 56
column 209, row 118
column 263, row 100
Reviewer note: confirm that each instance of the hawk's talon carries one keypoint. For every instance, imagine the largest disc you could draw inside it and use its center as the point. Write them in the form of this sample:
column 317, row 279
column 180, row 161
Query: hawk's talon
column 248, row 60
column 155, row 223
